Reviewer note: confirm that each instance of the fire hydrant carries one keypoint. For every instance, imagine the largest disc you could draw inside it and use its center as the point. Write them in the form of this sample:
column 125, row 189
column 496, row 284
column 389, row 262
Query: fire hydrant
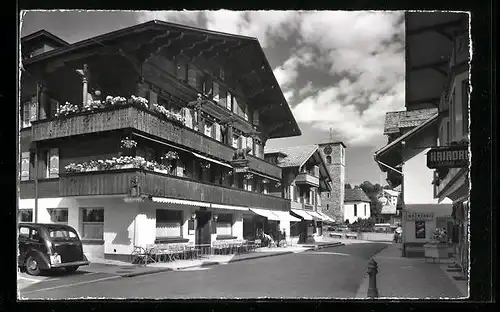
column 372, row 279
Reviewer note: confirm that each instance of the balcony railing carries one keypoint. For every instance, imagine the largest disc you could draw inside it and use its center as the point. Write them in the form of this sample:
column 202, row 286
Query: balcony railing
column 306, row 178
column 141, row 119
column 115, row 182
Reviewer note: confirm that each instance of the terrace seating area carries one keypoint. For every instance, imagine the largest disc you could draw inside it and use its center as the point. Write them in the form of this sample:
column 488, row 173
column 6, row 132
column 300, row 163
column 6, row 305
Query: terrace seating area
column 154, row 253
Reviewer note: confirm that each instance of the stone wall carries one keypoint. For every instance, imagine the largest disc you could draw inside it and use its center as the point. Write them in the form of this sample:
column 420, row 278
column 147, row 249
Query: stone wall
column 332, row 203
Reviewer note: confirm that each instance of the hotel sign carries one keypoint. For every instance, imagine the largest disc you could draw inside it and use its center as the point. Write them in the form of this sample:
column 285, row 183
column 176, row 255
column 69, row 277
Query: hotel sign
column 241, row 170
column 419, row 216
column 448, row 157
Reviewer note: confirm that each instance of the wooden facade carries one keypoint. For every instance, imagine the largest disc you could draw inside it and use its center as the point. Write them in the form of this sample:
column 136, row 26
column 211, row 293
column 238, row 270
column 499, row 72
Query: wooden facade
column 150, row 183
column 144, row 121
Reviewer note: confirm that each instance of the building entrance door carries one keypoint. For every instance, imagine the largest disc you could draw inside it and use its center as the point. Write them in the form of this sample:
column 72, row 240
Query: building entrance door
column 203, row 235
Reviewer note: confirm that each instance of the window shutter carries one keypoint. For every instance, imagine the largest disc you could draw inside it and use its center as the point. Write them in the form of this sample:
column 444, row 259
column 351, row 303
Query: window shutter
column 208, row 129
column 25, row 166
column 26, row 114
column 250, row 144
column 188, row 117
column 34, row 109
column 235, row 105
column 218, row 133
column 236, row 140
column 153, row 97
column 53, row 163
column 243, row 142
column 216, row 92
column 229, row 101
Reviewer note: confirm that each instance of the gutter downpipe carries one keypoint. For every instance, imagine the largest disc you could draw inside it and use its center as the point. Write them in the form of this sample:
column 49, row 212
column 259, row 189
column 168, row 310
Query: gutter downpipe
column 402, row 195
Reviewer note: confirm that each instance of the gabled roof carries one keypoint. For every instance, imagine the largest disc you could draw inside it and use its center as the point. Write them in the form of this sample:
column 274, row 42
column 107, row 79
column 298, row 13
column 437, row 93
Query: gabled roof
column 245, row 54
column 43, row 34
column 395, row 121
column 355, row 195
column 296, row 156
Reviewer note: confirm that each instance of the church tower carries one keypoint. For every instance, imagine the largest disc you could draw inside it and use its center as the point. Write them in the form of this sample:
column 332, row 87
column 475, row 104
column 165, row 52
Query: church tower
column 332, row 203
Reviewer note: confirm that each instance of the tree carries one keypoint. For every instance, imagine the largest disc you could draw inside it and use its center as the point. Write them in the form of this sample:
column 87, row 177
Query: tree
column 372, row 191
column 348, row 186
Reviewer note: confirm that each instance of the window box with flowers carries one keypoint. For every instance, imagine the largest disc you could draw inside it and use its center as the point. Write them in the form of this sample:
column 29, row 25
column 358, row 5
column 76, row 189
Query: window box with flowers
column 437, row 248
column 128, row 146
column 123, row 162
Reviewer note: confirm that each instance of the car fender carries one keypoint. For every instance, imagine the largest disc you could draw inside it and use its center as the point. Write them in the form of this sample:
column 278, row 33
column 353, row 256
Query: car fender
column 43, row 260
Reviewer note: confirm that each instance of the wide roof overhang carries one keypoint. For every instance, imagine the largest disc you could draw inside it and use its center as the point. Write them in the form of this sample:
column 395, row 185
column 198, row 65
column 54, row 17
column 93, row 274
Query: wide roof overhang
column 242, row 55
column 428, row 48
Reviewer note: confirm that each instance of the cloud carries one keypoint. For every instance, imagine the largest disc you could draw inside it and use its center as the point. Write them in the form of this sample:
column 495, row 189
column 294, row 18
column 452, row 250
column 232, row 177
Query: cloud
column 184, row 17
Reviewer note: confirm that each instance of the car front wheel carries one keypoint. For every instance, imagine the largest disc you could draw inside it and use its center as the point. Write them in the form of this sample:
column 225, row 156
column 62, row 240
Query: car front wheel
column 71, row 269
column 32, row 266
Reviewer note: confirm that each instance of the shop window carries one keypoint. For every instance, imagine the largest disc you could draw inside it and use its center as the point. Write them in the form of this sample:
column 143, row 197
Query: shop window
column 58, row 215
column 168, row 223
column 355, row 210
column 25, row 166
column 92, row 225
column 224, row 225
column 25, row 215
column 420, row 229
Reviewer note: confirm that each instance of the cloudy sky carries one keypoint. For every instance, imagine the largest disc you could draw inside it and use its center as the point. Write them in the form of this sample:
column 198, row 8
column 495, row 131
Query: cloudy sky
column 340, row 71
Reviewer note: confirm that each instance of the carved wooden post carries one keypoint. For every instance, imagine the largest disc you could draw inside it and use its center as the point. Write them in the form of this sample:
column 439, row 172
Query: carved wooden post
column 85, row 74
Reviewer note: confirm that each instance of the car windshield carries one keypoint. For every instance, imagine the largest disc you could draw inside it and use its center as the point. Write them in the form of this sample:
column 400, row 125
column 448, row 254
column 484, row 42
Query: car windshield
column 62, row 234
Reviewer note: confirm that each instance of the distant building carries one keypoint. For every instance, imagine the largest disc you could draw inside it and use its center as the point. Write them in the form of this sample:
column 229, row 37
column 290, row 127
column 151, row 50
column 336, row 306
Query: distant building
column 356, row 205
column 305, row 177
column 334, row 155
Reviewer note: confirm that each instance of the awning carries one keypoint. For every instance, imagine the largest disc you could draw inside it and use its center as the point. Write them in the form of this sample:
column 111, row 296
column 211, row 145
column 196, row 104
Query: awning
column 265, row 213
column 326, row 217
column 285, row 216
column 301, row 213
column 315, row 215
column 217, row 206
column 212, row 160
column 265, row 176
column 165, row 200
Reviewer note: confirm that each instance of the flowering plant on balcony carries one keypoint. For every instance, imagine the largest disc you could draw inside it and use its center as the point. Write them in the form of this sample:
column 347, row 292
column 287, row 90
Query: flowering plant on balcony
column 114, row 164
column 91, row 106
column 139, row 100
column 128, row 143
column 117, row 100
column 170, row 155
column 67, row 109
column 172, row 116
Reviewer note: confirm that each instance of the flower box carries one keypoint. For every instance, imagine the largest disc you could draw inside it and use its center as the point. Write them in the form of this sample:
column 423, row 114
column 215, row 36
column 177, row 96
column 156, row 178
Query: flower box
column 127, row 166
column 436, row 251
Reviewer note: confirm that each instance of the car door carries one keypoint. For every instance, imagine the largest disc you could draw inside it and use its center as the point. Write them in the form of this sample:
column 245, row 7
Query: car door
column 36, row 241
column 23, row 242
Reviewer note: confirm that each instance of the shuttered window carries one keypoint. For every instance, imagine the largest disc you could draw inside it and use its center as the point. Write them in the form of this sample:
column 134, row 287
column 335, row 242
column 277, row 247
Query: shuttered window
column 188, row 117
column 229, row 101
column 25, row 166
column 34, row 109
column 208, row 128
column 216, row 92
column 26, row 114
column 235, row 141
column 53, row 163
column 92, row 226
column 224, row 225
column 218, row 133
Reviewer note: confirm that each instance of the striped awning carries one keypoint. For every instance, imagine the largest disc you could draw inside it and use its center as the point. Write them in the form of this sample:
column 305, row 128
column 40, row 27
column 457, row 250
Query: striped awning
column 265, row 213
column 212, row 160
column 315, row 215
column 165, row 200
column 217, row 206
column 285, row 216
column 326, row 217
column 301, row 213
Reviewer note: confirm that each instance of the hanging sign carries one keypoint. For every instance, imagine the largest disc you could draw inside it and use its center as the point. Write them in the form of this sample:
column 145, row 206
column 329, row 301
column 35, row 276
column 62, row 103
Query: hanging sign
column 448, row 157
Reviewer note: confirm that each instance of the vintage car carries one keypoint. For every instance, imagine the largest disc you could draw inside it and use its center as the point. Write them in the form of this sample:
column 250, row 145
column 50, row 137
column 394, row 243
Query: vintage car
column 49, row 246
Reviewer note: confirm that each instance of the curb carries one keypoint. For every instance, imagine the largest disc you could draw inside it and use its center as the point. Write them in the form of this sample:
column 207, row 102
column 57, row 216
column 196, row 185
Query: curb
column 328, row 245
column 205, row 264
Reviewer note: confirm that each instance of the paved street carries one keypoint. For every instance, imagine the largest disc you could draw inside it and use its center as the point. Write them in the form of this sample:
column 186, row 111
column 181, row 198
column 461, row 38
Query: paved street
column 331, row 272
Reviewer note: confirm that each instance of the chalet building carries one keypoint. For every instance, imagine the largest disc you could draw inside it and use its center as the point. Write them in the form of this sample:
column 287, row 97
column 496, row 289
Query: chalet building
column 433, row 192
column 450, row 91
column 356, row 205
column 150, row 134
column 305, row 176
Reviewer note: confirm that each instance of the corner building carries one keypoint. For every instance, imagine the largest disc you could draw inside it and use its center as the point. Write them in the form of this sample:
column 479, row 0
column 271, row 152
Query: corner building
column 149, row 134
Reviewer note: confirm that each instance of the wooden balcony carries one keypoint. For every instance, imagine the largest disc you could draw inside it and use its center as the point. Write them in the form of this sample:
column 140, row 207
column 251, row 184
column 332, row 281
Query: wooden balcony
column 151, row 183
column 305, row 178
column 141, row 119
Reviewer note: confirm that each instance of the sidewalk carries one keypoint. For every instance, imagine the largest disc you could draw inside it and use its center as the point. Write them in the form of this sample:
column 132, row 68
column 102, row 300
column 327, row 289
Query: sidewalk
column 407, row 278
column 129, row 270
